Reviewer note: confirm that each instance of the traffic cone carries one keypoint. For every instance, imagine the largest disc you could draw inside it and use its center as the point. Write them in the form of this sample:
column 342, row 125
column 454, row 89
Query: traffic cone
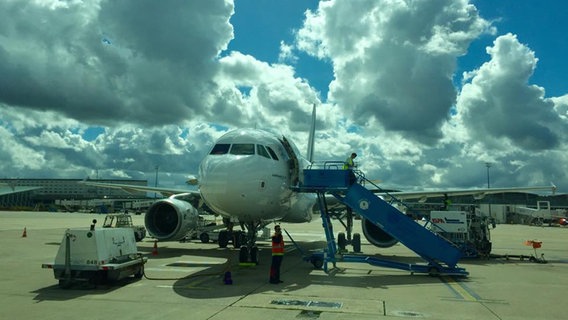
column 155, row 250
column 25, row 234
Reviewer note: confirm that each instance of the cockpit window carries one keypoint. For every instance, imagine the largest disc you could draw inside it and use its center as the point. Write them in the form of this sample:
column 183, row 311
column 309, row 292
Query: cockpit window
column 272, row 153
column 242, row 148
column 220, row 148
column 262, row 151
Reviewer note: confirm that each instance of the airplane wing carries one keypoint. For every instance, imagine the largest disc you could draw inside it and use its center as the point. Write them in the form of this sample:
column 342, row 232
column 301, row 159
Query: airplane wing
column 477, row 194
column 6, row 190
column 422, row 196
column 132, row 188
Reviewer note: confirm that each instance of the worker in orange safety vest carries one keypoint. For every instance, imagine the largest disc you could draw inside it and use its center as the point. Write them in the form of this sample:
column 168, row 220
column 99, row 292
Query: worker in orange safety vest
column 277, row 255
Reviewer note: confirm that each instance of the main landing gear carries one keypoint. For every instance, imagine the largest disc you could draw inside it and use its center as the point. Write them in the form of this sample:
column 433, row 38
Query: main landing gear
column 347, row 237
column 246, row 241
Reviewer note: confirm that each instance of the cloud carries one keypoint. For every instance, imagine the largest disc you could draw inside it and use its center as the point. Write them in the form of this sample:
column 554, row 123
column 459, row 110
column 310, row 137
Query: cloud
column 287, row 53
column 390, row 56
column 158, row 83
column 156, row 70
column 500, row 108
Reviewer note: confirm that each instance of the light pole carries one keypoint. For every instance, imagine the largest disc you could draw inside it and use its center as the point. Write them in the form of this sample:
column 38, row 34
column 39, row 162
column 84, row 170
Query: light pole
column 156, row 181
column 488, row 165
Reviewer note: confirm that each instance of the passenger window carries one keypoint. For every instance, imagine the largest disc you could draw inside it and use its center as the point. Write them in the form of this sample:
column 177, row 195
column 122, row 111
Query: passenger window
column 272, row 153
column 262, row 151
column 220, row 148
column 242, row 149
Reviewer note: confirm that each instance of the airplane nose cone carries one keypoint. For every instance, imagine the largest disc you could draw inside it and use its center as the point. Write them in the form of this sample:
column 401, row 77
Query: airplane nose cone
column 224, row 184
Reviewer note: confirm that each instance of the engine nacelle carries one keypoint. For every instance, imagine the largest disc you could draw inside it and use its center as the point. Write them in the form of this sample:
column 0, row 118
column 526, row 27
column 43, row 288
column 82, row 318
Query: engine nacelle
column 170, row 219
column 377, row 236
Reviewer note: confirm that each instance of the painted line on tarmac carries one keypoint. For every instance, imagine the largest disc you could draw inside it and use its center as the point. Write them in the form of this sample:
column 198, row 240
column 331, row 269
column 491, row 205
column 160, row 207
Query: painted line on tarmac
column 196, row 284
column 460, row 289
column 170, row 269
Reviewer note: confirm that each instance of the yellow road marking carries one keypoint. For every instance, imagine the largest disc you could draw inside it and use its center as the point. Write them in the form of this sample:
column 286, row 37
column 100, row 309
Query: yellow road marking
column 459, row 289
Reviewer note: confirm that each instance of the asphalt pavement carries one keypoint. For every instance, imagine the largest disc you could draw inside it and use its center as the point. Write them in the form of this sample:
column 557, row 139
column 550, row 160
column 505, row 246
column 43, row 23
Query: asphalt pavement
column 186, row 280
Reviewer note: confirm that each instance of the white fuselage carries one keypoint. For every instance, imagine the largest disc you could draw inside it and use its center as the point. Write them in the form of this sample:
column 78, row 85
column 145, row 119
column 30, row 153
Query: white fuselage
column 248, row 174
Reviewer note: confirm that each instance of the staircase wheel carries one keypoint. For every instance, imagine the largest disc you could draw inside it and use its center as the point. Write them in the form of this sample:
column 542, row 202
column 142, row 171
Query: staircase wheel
column 356, row 242
column 223, row 238
column 434, row 272
column 341, row 241
column 317, row 262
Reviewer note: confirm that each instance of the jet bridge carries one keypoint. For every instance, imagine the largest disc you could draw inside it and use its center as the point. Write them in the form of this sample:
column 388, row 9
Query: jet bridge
column 440, row 254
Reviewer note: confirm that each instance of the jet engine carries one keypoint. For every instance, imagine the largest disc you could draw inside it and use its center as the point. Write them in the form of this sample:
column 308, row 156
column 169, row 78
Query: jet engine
column 170, row 219
column 377, row 236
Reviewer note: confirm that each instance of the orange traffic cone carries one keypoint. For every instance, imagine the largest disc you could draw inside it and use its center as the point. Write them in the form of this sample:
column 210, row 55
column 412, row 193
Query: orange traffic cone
column 25, row 234
column 155, row 251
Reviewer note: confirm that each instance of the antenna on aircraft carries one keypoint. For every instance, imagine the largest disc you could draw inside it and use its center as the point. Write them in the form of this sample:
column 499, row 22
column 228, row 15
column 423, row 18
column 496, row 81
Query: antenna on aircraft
column 311, row 138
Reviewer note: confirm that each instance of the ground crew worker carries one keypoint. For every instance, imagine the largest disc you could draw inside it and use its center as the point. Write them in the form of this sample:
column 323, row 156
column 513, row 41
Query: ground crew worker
column 277, row 255
column 349, row 163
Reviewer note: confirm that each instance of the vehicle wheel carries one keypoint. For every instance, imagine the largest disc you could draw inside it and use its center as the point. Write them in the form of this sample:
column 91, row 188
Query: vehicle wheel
column 341, row 241
column 317, row 262
column 223, row 238
column 139, row 273
column 254, row 255
column 65, row 283
column 356, row 242
column 138, row 237
column 98, row 277
column 204, row 237
column 243, row 254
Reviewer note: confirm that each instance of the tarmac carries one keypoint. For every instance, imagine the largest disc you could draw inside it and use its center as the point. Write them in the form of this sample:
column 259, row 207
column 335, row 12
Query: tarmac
column 186, row 280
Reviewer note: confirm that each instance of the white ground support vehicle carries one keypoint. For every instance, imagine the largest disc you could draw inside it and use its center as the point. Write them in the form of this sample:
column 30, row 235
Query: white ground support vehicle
column 96, row 255
column 468, row 230
column 120, row 220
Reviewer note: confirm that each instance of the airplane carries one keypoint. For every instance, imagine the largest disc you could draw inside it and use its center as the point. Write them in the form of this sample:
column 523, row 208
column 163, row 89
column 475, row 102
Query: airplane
column 249, row 177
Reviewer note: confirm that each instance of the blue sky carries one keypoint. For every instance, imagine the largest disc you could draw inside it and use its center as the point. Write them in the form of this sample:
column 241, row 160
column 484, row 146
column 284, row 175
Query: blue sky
column 426, row 92
column 263, row 24
column 541, row 25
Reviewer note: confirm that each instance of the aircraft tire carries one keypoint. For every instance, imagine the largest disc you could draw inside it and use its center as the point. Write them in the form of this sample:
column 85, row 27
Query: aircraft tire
column 254, row 255
column 237, row 239
column 243, row 254
column 356, row 242
column 223, row 238
column 341, row 241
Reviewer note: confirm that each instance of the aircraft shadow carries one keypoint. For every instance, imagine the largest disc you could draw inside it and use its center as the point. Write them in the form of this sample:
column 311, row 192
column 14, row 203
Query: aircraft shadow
column 296, row 273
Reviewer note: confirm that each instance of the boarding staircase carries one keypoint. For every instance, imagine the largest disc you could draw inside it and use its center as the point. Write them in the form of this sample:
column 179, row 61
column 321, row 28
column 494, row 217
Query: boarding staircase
column 440, row 254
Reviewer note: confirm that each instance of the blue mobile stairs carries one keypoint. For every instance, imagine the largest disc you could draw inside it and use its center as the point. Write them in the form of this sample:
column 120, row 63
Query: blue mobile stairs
column 440, row 254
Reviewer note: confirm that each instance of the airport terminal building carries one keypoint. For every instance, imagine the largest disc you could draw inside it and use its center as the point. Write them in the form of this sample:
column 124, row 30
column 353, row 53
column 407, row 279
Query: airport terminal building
column 46, row 192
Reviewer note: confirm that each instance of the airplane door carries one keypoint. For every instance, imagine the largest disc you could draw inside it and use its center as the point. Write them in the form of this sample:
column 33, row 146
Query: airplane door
column 293, row 164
